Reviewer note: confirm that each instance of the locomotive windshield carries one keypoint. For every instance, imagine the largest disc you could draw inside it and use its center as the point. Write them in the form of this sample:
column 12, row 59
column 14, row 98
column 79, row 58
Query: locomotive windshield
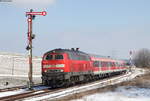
column 49, row 57
column 53, row 57
column 58, row 57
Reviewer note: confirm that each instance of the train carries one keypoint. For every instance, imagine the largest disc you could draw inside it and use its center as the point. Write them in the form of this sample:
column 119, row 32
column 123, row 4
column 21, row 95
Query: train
column 64, row 67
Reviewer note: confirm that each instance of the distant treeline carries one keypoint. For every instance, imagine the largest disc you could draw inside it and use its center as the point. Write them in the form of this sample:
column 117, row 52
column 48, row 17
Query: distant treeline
column 142, row 58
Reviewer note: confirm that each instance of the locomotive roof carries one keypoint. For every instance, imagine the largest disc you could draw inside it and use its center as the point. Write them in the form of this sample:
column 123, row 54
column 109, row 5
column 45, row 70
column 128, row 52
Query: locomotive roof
column 65, row 51
column 69, row 51
column 98, row 56
column 59, row 50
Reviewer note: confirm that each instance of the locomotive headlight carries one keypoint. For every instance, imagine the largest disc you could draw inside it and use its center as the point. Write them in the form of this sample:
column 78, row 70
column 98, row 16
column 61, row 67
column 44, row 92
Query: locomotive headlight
column 45, row 71
column 60, row 65
column 61, row 70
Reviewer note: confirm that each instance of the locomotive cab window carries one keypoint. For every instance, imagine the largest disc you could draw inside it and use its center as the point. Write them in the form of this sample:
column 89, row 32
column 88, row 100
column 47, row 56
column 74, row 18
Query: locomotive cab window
column 59, row 57
column 49, row 57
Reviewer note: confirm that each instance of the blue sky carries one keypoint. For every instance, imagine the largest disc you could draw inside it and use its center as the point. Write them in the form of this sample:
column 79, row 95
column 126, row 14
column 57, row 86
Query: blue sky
column 105, row 27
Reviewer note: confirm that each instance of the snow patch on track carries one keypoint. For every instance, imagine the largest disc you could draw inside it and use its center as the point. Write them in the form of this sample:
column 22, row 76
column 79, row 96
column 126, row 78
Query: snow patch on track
column 3, row 94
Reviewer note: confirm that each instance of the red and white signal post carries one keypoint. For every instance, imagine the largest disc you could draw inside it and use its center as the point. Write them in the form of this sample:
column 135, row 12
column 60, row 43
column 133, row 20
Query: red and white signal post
column 31, row 15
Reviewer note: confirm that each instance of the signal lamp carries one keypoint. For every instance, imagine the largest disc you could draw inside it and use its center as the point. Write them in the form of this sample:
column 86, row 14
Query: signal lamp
column 33, row 36
column 28, row 47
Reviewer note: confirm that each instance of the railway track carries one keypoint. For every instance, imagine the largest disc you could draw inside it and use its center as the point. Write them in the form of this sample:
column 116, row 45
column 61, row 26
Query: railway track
column 24, row 95
column 51, row 94
column 34, row 92
column 17, row 88
column 12, row 88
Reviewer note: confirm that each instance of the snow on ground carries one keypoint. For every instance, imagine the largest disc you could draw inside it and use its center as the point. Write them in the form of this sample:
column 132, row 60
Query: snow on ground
column 133, row 91
column 125, row 93
column 16, row 81
column 14, row 68
column 9, row 75
column 2, row 94
column 19, row 91
column 120, row 94
column 18, row 64
column 40, row 87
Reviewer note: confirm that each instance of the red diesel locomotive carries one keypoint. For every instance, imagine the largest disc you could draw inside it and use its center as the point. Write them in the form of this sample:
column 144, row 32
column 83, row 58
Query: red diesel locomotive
column 62, row 67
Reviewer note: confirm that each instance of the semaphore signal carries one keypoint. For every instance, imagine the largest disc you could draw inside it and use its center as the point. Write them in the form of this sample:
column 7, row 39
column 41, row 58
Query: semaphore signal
column 31, row 16
column 36, row 13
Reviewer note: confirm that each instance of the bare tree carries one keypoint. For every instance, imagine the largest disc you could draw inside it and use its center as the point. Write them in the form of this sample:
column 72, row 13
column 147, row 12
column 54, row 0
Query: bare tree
column 142, row 58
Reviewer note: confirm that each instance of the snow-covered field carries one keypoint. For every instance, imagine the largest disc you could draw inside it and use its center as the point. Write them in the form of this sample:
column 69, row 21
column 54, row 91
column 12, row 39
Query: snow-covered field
column 14, row 69
column 17, row 64
column 125, row 93
column 16, row 81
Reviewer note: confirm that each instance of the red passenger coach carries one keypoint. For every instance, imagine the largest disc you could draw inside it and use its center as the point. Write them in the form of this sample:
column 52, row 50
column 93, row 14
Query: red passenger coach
column 105, row 66
column 65, row 67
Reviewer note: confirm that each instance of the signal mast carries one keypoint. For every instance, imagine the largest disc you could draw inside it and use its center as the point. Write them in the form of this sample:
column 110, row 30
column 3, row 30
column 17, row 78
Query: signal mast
column 31, row 16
